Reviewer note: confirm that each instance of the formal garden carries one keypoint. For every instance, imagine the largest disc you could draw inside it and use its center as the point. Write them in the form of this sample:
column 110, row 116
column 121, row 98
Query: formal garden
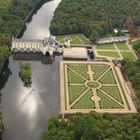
column 116, row 51
column 93, row 86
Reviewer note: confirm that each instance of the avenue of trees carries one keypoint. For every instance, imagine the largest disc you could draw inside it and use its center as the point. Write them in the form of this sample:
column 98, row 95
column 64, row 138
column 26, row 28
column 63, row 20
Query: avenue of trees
column 132, row 71
column 136, row 46
column 94, row 126
column 95, row 18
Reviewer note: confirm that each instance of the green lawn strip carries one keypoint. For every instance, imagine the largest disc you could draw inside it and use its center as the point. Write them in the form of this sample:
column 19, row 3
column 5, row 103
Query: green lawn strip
column 80, row 69
column 122, row 46
column 85, row 102
column 128, row 55
column 106, row 102
column 99, row 70
column 122, row 90
column 83, row 38
column 75, row 92
column 65, row 85
column 108, row 78
column 109, row 54
column 73, row 78
column 113, row 92
column 105, row 47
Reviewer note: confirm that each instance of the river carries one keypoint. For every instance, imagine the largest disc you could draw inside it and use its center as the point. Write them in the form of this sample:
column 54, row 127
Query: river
column 26, row 109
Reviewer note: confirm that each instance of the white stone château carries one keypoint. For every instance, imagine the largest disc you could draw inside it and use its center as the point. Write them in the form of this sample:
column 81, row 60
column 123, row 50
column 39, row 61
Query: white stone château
column 34, row 46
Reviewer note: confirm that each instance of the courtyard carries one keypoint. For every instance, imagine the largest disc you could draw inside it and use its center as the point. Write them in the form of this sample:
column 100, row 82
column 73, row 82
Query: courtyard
column 93, row 86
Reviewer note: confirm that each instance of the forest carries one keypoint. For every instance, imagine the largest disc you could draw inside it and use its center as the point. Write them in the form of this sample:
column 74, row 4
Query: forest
column 12, row 15
column 132, row 71
column 94, row 126
column 95, row 18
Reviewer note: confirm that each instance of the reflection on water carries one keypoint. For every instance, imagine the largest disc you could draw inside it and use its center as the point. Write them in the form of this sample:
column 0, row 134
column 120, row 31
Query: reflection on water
column 45, row 59
column 39, row 27
column 28, row 104
column 26, row 110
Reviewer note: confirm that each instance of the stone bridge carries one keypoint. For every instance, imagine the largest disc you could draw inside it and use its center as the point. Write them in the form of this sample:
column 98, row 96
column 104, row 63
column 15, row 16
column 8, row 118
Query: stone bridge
column 47, row 45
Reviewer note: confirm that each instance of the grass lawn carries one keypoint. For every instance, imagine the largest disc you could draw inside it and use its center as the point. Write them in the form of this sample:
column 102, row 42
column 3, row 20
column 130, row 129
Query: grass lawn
column 106, row 102
column 108, row 78
column 113, row 92
column 105, row 47
column 128, row 55
column 122, row 46
column 85, row 102
column 109, row 54
column 83, row 38
column 77, row 39
column 82, row 70
column 99, row 70
column 75, row 91
column 74, row 78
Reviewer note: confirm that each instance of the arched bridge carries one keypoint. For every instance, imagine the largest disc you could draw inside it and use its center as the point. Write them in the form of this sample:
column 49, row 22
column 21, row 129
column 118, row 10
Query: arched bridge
column 34, row 46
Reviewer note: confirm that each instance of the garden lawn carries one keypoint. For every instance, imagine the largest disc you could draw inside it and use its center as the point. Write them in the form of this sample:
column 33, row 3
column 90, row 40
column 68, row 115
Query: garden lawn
column 113, row 91
column 108, row 78
column 83, row 38
column 105, row 47
column 82, row 70
column 74, row 92
column 109, row 54
column 85, row 102
column 122, row 46
column 128, row 55
column 74, row 78
column 106, row 102
column 99, row 70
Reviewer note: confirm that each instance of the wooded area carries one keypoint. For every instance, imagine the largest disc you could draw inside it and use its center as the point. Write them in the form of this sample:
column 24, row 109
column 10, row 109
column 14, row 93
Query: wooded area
column 12, row 15
column 132, row 71
column 95, row 18
column 94, row 126
column 136, row 46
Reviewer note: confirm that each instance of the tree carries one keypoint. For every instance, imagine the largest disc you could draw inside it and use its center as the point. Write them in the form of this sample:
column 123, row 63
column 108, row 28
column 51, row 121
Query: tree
column 94, row 36
column 94, row 126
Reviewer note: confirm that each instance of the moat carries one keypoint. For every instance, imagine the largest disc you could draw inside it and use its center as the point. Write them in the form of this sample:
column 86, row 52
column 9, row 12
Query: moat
column 26, row 110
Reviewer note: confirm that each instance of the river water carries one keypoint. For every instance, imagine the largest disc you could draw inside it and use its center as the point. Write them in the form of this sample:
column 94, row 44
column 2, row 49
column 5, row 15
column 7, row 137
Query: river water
column 26, row 109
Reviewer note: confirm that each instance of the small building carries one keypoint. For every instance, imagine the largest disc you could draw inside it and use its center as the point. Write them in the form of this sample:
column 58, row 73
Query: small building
column 75, row 53
column 67, row 42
